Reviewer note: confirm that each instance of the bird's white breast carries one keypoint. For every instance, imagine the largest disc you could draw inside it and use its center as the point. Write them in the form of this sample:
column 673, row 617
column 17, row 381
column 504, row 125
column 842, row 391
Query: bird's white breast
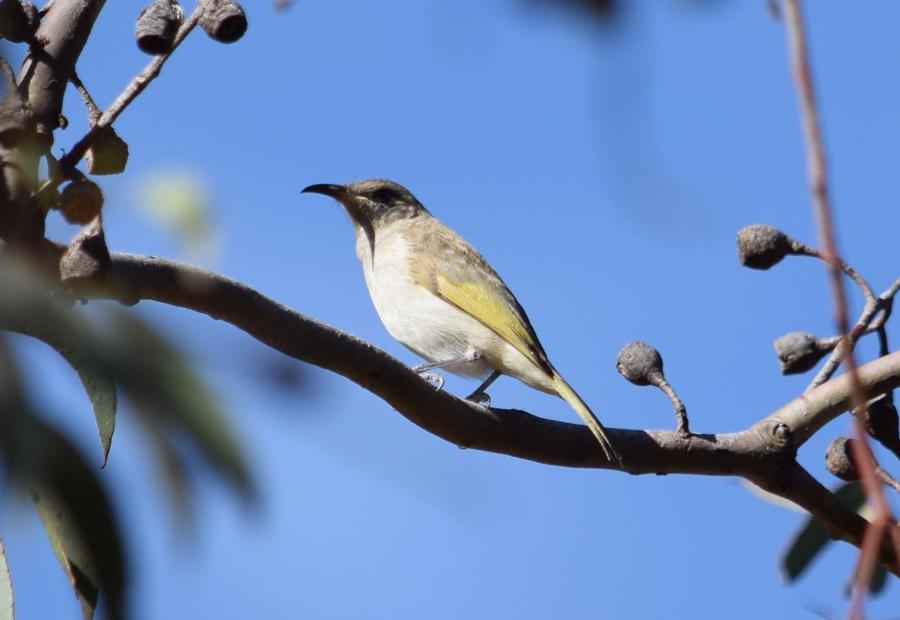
column 428, row 325
column 423, row 322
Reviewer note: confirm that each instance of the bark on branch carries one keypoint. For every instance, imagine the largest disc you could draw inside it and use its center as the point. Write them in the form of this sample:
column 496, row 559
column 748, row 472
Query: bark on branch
column 763, row 453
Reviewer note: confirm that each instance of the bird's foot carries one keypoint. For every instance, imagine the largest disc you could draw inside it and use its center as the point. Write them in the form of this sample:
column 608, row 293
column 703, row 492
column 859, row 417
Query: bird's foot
column 433, row 378
column 482, row 399
column 472, row 355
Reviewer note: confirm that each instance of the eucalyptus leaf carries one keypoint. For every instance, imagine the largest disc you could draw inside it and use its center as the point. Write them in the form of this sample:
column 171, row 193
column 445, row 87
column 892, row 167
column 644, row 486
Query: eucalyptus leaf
column 179, row 398
column 175, row 471
column 70, row 550
column 128, row 352
column 72, row 503
column 812, row 537
column 73, row 506
column 110, row 352
column 76, row 514
column 100, row 388
column 7, row 607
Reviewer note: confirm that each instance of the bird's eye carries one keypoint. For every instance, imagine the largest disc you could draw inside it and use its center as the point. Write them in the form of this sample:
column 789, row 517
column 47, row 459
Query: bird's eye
column 383, row 195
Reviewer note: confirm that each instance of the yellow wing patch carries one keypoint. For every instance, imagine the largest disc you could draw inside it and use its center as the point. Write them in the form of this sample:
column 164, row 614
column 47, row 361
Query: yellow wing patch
column 494, row 312
column 452, row 270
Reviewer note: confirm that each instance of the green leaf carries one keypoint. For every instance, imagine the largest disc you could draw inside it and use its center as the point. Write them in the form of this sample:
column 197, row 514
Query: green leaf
column 72, row 503
column 168, row 395
column 100, row 388
column 7, row 608
column 76, row 514
column 178, row 203
column 26, row 308
column 166, row 390
column 804, row 546
column 812, row 537
column 71, row 551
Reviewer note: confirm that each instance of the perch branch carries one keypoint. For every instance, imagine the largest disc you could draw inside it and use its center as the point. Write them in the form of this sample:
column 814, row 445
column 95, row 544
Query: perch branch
column 764, row 453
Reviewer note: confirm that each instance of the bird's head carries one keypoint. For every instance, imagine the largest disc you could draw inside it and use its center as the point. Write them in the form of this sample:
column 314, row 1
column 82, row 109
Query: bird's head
column 372, row 203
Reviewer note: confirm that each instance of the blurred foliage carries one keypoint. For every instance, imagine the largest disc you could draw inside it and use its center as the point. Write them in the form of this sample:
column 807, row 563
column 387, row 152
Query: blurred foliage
column 812, row 538
column 178, row 204
column 121, row 354
column 100, row 388
column 605, row 10
column 38, row 458
column 766, row 496
column 609, row 13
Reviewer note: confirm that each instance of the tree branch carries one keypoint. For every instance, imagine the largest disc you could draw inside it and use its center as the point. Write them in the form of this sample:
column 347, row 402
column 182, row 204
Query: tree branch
column 45, row 74
column 764, row 453
column 134, row 88
column 817, row 173
column 63, row 32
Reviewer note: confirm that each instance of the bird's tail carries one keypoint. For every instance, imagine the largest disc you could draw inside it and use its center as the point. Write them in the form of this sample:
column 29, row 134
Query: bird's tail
column 570, row 396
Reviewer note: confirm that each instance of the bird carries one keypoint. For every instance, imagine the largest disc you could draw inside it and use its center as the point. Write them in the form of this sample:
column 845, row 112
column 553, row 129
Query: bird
column 439, row 297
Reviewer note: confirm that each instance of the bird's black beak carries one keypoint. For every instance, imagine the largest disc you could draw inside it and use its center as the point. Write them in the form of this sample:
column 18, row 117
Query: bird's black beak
column 353, row 204
column 328, row 189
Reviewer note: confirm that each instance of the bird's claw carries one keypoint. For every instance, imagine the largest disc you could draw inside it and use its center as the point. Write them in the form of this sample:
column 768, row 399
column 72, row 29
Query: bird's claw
column 473, row 355
column 433, row 378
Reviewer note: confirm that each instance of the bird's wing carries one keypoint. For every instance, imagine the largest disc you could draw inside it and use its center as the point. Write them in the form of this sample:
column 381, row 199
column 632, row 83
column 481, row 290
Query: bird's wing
column 451, row 272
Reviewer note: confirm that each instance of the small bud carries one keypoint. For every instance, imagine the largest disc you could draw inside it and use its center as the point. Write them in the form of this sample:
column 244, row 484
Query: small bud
column 640, row 363
column 18, row 20
column 838, row 459
column 81, row 201
column 87, row 257
column 108, row 153
column 761, row 246
column 881, row 422
column 157, row 25
column 799, row 351
column 223, row 20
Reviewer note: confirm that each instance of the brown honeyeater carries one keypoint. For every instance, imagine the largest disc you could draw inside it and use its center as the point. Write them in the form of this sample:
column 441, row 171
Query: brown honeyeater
column 441, row 299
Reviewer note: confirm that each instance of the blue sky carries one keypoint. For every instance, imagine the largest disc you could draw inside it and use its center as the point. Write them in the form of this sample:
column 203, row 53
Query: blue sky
column 604, row 173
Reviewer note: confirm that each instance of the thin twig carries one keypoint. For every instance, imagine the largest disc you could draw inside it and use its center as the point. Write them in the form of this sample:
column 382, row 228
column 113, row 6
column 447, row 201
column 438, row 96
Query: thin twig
column 846, row 343
column 875, row 313
column 849, row 271
column 872, row 319
column 818, row 181
column 683, row 425
column 892, row 290
column 886, row 478
column 886, row 301
column 94, row 112
column 134, row 88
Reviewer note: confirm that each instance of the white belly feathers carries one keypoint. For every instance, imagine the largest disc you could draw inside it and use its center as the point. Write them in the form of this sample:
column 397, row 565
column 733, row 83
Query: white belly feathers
column 428, row 325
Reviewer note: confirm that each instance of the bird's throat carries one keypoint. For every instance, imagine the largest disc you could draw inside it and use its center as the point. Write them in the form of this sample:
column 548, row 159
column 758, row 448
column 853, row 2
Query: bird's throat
column 364, row 227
